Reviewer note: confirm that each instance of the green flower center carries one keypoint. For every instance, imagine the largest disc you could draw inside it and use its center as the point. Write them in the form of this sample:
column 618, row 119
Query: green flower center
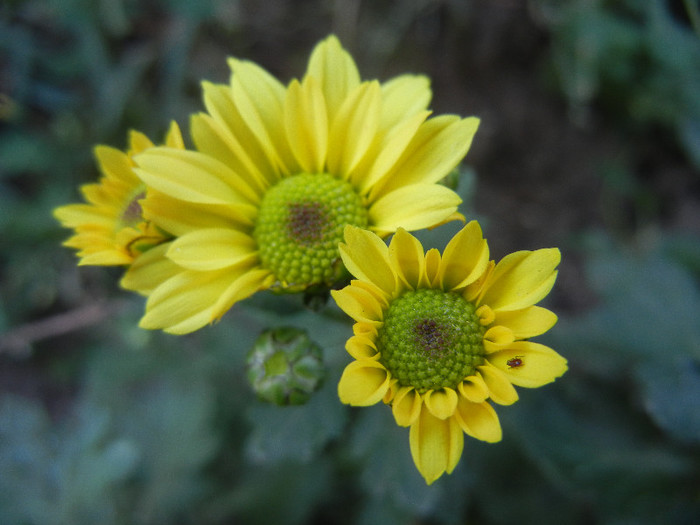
column 300, row 224
column 431, row 339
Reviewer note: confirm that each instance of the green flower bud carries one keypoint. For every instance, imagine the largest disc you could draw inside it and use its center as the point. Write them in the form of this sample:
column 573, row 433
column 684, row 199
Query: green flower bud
column 285, row 366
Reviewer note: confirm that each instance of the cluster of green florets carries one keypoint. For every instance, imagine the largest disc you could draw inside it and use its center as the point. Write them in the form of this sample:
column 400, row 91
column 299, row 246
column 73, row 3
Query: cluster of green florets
column 431, row 339
column 300, row 224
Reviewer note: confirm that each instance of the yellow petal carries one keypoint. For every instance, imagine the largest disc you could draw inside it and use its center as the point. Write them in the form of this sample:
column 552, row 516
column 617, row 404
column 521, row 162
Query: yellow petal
column 501, row 391
column 353, row 128
column 363, row 383
column 367, row 257
column 138, row 142
column 465, row 258
column 192, row 177
column 527, row 322
column 335, row 70
column 306, row 124
column 115, row 164
column 407, row 257
column 521, row 279
column 436, row 149
column 436, row 445
column 218, row 100
column 406, row 406
column 474, row 389
column 149, row 270
column 536, row 364
column 413, row 207
column 441, row 403
column 359, row 304
column 185, row 302
column 479, row 420
column 212, row 249
column 243, row 287
column 497, row 337
column 174, row 138
column 404, row 96
column 259, row 98
column 432, row 267
column 361, row 347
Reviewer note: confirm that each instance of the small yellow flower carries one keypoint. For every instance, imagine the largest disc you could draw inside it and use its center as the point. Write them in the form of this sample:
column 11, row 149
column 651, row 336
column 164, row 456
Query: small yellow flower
column 109, row 228
column 283, row 169
column 438, row 336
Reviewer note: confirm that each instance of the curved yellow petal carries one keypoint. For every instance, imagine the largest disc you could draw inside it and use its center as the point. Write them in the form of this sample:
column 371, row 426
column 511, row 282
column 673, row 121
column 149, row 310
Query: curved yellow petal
column 406, row 406
column 441, row 403
column 361, row 347
column 436, row 149
column 432, row 267
column 404, row 96
column 353, row 128
column 306, row 124
column 259, row 98
column 408, row 258
column 521, row 279
column 526, row 322
column 359, row 304
column 436, row 445
column 367, row 257
column 246, row 285
column 501, row 390
column 474, row 389
column 212, row 249
column 413, row 207
column 149, row 270
column 497, row 337
column 192, row 177
column 335, row 70
column 465, row 258
column 531, row 364
column 363, row 383
column 479, row 420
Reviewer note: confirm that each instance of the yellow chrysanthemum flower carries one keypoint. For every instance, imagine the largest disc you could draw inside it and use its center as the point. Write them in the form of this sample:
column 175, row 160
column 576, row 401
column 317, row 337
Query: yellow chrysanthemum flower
column 284, row 169
column 437, row 336
column 109, row 228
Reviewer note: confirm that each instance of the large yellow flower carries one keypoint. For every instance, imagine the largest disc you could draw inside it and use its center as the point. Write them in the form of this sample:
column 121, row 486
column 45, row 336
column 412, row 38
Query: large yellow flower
column 109, row 228
column 282, row 170
column 437, row 337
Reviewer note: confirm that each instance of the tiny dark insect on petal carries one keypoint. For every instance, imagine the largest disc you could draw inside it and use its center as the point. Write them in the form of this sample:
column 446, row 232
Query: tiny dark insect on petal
column 515, row 362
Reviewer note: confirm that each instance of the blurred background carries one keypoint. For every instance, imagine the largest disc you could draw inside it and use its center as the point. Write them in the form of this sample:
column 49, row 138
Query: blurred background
column 589, row 141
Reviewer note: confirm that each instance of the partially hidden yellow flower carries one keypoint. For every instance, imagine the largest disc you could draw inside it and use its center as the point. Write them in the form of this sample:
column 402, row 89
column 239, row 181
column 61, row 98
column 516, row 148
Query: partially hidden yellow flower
column 109, row 227
column 439, row 336
column 282, row 170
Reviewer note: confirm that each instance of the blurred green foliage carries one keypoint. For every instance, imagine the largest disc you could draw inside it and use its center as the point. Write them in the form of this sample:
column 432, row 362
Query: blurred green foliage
column 113, row 425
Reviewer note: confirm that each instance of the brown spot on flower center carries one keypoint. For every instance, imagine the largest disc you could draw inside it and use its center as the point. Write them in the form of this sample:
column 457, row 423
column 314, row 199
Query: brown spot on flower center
column 431, row 338
column 306, row 222
column 133, row 212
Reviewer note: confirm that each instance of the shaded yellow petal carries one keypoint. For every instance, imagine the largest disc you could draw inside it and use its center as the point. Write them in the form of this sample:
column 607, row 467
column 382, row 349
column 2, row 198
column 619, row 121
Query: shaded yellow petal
column 149, row 270
column 138, row 142
column 432, row 267
column 363, row 383
column 465, row 258
column 212, row 249
column 474, row 389
column 361, row 347
column 436, row 149
column 521, row 279
column 402, row 97
column 173, row 138
column 406, row 406
column 259, row 98
column 538, row 364
column 407, row 257
column 527, row 322
column 497, row 337
column 192, row 177
column 441, row 403
column 359, row 304
column 367, row 257
column 501, row 390
column 335, row 70
column 413, row 207
column 115, row 164
column 353, row 128
column 245, row 286
column 479, row 420
column 306, row 124
column 436, row 445
column 218, row 100
column 185, row 302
